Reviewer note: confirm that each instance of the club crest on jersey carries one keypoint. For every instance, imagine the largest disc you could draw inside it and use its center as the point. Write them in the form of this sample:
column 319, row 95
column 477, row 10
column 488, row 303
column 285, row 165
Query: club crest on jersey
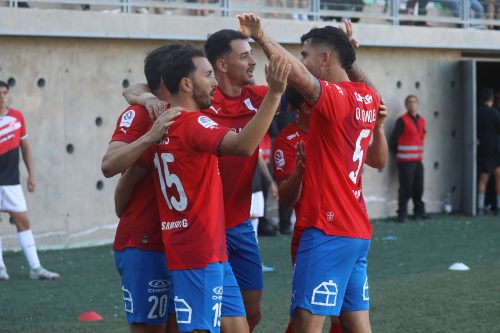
column 249, row 105
column 279, row 159
column 207, row 122
column 127, row 118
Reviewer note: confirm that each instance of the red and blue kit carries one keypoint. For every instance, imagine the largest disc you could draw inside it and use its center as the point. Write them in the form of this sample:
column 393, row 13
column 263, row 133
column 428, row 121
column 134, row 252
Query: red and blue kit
column 139, row 225
column 236, row 171
column 189, row 192
column 340, row 129
column 12, row 131
column 284, row 166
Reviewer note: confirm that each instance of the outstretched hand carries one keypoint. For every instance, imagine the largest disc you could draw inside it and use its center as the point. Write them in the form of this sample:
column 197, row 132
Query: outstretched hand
column 300, row 157
column 348, row 31
column 277, row 73
column 250, row 25
column 155, row 107
column 163, row 122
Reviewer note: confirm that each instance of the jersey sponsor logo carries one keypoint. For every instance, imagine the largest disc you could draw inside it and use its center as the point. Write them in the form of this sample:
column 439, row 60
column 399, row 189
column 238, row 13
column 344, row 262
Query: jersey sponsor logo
column 217, row 293
column 207, row 122
column 249, row 105
column 279, row 159
column 158, row 286
column 127, row 118
column 367, row 99
column 174, row 224
column 325, row 294
column 183, row 311
column 292, row 136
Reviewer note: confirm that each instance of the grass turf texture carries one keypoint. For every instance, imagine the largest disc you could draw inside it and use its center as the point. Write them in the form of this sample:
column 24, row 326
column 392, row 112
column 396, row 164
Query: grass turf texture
column 411, row 288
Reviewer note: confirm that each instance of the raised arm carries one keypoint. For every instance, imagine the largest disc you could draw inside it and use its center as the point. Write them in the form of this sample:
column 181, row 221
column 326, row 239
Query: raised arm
column 299, row 77
column 140, row 94
column 121, row 155
column 378, row 151
column 246, row 141
column 290, row 188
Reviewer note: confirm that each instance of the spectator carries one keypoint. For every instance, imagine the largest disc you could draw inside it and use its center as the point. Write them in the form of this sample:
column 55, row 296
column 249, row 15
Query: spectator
column 348, row 5
column 23, row 4
column 301, row 5
column 492, row 10
column 13, row 136
column 407, row 141
column 456, row 5
column 488, row 151
column 410, row 10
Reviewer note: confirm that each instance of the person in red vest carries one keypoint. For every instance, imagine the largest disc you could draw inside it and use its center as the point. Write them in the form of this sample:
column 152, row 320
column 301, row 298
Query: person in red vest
column 407, row 142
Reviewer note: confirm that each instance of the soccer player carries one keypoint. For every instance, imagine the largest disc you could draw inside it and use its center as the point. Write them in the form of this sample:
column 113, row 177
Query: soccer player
column 330, row 270
column 138, row 247
column 234, row 103
column 190, row 191
column 13, row 135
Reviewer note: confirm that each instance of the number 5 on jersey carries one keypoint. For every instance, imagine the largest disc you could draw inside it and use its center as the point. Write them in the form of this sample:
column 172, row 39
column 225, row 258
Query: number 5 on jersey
column 170, row 180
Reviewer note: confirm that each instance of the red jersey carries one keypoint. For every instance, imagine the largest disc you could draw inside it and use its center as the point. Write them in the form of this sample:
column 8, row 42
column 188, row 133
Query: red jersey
column 237, row 171
column 12, row 131
column 284, row 165
column 139, row 225
column 189, row 192
column 340, row 129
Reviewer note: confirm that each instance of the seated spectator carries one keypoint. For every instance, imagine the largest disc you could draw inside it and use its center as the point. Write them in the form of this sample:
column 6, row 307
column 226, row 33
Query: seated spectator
column 492, row 11
column 302, row 4
column 410, row 10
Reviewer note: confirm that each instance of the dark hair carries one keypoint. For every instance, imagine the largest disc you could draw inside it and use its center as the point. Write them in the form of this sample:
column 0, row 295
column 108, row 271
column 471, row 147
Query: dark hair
column 293, row 97
column 4, row 85
column 153, row 63
column 486, row 94
column 219, row 43
column 410, row 96
column 336, row 40
column 179, row 64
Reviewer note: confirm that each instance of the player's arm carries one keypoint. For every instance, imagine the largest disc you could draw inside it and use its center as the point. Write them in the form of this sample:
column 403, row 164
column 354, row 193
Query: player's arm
column 267, row 175
column 28, row 161
column 290, row 188
column 140, row 94
column 378, row 151
column 246, row 141
column 121, row 155
column 125, row 187
column 299, row 77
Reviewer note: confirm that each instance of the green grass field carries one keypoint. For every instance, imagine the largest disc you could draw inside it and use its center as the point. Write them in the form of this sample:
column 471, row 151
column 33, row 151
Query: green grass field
column 411, row 288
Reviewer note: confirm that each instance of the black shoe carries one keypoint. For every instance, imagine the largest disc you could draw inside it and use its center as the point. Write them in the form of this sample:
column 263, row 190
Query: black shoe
column 286, row 230
column 401, row 219
column 265, row 228
column 423, row 217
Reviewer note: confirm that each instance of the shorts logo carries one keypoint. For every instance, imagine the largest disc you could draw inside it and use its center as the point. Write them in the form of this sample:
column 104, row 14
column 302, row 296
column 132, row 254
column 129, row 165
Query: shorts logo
column 279, row 159
column 366, row 295
column 128, row 301
column 218, row 293
column 325, row 294
column 127, row 118
column 207, row 122
column 249, row 105
column 183, row 311
column 159, row 286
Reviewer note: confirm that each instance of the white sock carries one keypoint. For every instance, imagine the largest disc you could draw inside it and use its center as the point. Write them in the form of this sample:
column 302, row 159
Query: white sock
column 2, row 264
column 480, row 200
column 255, row 224
column 27, row 243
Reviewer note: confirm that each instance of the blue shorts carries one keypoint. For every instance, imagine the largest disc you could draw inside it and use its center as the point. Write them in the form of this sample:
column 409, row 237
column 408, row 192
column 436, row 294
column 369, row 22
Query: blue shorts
column 146, row 285
column 330, row 274
column 244, row 256
column 203, row 295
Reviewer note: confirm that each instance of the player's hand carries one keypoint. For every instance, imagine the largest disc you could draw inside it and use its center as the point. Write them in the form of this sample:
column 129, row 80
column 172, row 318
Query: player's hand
column 348, row 31
column 300, row 158
column 274, row 190
column 277, row 73
column 155, row 107
column 382, row 114
column 250, row 25
column 30, row 183
column 162, row 123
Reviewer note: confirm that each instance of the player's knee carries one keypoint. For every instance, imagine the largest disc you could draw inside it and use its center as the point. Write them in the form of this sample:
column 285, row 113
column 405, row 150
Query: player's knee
column 21, row 221
column 253, row 317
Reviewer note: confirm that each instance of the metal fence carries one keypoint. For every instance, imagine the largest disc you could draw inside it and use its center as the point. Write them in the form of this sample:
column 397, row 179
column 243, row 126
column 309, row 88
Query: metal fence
column 481, row 14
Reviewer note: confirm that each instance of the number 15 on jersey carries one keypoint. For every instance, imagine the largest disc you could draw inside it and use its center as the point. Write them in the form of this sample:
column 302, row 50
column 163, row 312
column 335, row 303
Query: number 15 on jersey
column 170, row 180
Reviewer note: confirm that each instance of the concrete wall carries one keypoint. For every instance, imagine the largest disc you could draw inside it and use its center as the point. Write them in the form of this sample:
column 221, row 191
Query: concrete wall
column 85, row 58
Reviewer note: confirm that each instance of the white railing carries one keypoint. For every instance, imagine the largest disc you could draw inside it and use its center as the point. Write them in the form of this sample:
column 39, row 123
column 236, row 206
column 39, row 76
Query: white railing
column 459, row 13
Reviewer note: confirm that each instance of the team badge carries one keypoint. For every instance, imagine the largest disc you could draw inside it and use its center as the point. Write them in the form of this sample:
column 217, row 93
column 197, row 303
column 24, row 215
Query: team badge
column 127, row 118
